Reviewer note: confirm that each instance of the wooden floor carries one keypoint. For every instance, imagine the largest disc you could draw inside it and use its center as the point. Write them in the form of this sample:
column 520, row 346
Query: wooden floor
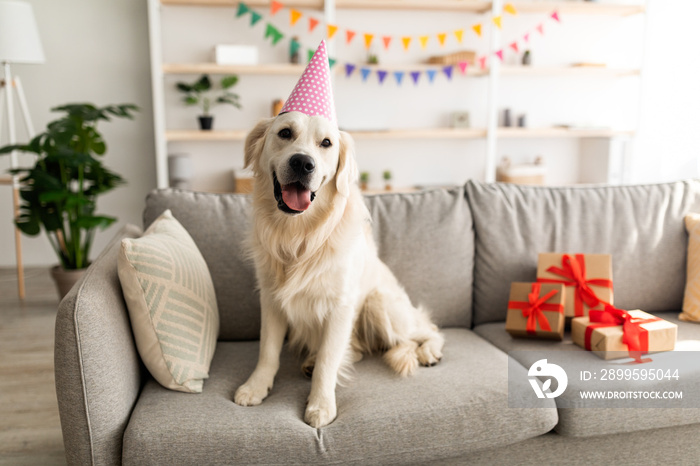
column 30, row 430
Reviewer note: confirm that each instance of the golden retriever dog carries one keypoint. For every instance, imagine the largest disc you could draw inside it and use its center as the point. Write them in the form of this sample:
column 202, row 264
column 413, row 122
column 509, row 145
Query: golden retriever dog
column 320, row 278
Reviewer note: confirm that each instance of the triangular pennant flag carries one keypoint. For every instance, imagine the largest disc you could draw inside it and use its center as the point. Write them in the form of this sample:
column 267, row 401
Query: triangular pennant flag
column 459, row 34
column 555, row 16
column 382, row 75
column 387, row 41
column 482, row 62
column 540, row 28
column 310, row 54
column 368, row 40
column 509, row 8
column 399, row 76
column 275, row 7
column 242, row 9
column 254, row 18
column 431, row 74
column 497, row 21
column 349, row 35
column 423, row 41
column 441, row 38
column 294, row 46
column 514, row 46
column 331, row 62
column 463, row 67
column 499, row 54
column 313, row 22
column 477, row 28
column 365, row 73
column 526, row 37
column 349, row 68
column 448, row 71
column 271, row 31
column 294, row 16
column 415, row 75
column 332, row 30
column 406, row 42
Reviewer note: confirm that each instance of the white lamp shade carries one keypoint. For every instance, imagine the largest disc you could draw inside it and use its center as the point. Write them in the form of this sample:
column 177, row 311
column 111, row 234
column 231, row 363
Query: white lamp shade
column 19, row 35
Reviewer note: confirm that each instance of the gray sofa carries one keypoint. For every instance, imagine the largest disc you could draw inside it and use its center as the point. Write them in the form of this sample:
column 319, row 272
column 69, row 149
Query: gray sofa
column 456, row 251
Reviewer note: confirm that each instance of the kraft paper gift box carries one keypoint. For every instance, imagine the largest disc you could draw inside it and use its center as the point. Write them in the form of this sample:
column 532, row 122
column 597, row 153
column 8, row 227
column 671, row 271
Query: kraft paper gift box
column 587, row 279
column 536, row 310
column 614, row 333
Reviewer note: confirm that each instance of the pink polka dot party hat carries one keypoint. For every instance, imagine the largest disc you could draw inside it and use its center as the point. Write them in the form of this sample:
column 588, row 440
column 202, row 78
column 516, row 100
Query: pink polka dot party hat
column 313, row 95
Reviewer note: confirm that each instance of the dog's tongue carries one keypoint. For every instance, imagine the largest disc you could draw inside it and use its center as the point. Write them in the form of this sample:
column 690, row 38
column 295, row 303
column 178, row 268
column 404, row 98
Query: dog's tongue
column 296, row 197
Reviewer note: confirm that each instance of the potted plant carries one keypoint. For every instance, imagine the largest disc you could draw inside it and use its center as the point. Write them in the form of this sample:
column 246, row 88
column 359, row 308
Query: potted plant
column 200, row 93
column 364, row 181
column 60, row 191
column 387, row 180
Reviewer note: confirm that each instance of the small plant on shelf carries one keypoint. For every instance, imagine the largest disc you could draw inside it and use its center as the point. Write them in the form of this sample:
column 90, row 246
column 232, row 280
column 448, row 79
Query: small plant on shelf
column 387, row 180
column 201, row 93
column 364, row 180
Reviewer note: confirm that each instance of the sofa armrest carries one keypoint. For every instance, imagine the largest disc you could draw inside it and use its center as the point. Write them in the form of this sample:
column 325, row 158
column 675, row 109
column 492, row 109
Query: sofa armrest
column 97, row 366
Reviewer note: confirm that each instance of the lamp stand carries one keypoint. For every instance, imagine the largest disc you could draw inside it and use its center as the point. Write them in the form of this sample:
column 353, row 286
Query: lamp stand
column 7, row 104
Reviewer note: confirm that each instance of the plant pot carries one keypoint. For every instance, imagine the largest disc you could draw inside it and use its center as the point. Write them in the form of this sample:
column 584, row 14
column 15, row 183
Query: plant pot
column 206, row 122
column 65, row 279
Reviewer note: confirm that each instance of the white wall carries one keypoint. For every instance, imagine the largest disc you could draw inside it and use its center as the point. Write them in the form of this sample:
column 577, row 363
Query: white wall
column 97, row 50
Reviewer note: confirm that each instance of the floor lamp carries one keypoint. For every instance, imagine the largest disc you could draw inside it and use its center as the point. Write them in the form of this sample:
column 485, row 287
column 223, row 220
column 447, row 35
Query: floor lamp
column 19, row 43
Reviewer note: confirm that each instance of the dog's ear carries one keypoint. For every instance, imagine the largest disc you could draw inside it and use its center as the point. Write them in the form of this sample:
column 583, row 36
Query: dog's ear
column 254, row 143
column 346, row 174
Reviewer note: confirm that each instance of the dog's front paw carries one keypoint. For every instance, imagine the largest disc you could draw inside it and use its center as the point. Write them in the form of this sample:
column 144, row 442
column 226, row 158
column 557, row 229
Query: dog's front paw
column 320, row 415
column 249, row 394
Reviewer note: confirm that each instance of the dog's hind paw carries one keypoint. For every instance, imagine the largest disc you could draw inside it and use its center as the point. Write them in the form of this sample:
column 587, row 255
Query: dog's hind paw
column 248, row 395
column 428, row 355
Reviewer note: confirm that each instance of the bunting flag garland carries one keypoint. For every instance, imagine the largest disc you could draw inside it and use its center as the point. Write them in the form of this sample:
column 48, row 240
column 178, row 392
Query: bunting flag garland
column 275, row 7
column 273, row 33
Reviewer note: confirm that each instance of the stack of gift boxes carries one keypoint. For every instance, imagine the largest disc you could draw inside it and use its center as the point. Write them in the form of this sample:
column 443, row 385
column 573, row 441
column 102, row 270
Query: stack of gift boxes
column 578, row 289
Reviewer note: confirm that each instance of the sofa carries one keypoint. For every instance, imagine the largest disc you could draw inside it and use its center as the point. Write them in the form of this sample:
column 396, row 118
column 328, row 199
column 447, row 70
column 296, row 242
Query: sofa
column 456, row 251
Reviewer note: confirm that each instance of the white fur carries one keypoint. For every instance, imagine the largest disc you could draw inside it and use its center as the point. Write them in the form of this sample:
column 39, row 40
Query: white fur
column 319, row 275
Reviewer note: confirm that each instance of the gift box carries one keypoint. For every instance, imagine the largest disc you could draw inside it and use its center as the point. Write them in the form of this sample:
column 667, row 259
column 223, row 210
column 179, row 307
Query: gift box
column 536, row 310
column 587, row 279
column 613, row 333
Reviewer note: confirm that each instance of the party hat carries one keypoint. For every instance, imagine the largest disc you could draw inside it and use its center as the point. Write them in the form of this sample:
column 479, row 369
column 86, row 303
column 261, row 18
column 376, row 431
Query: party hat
column 313, row 95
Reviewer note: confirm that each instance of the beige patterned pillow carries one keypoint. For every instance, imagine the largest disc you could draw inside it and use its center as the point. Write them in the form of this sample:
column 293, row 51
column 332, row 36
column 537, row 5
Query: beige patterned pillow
column 691, row 299
column 172, row 305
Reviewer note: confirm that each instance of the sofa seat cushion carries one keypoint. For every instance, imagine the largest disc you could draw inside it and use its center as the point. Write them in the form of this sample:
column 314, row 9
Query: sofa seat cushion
column 456, row 407
column 586, row 421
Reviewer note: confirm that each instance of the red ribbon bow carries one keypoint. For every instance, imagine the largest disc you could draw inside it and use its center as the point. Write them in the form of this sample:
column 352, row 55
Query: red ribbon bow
column 574, row 271
column 633, row 334
column 532, row 309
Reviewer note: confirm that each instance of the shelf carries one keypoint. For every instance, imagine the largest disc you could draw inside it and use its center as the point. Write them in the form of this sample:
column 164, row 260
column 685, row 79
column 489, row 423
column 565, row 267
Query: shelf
column 422, row 133
column 470, row 6
column 213, row 68
column 214, row 135
column 315, row 4
column 531, row 133
column 583, row 71
column 579, row 8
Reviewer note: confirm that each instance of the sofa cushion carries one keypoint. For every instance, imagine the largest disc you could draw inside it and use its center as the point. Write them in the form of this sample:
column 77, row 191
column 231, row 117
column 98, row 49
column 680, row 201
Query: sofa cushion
column 587, row 421
column 427, row 240
column 415, row 234
column 171, row 302
column 641, row 226
column 456, row 407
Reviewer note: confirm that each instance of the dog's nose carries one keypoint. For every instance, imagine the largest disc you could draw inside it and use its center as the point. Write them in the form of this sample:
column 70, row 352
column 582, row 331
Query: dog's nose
column 302, row 164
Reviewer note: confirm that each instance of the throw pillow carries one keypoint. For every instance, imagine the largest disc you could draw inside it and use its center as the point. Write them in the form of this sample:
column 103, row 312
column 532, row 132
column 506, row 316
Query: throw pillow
column 172, row 304
column 691, row 298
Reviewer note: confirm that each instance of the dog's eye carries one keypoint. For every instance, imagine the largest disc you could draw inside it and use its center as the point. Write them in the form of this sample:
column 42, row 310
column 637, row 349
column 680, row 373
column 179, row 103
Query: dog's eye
column 286, row 133
column 326, row 143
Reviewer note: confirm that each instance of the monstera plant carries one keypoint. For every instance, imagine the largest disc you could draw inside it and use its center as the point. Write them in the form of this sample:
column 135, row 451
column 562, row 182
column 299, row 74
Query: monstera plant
column 59, row 192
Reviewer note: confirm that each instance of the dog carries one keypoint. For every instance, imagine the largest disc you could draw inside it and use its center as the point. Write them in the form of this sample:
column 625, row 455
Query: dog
column 316, row 263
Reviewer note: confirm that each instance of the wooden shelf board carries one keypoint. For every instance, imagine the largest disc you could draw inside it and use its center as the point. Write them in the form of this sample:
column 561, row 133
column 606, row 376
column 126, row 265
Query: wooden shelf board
column 422, row 133
column 213, row 68
column 578, row 8
column 315, row 4
column 556, row 132
column 214, row 135
column 471, row 6
column 586, row 71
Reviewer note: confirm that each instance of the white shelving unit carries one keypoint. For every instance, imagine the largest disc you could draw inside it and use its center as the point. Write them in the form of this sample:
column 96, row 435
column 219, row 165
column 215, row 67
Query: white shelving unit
column 492, row 133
